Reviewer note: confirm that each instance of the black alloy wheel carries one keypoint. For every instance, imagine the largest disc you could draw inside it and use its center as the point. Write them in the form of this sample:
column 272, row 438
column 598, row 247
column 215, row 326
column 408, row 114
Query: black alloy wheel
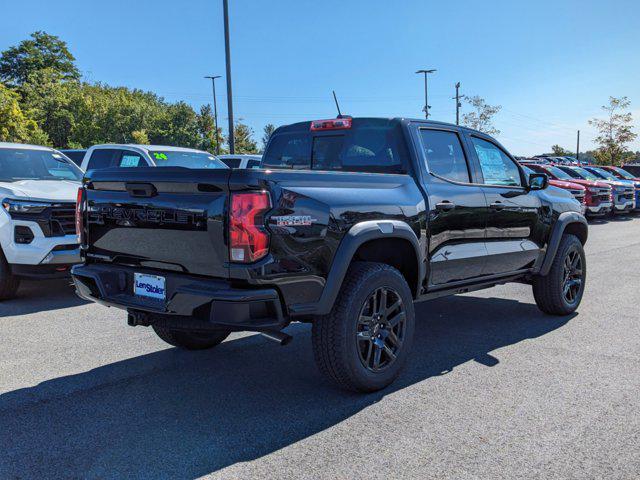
column 364, row 342
column 381, row 329
column 560, row 291
column 572, row 282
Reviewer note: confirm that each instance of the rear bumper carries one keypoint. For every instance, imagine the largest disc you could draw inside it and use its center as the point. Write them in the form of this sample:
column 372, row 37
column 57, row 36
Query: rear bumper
column 191, row 302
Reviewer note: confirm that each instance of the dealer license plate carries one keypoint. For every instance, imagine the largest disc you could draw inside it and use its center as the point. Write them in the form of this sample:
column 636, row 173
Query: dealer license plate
column 150, row 286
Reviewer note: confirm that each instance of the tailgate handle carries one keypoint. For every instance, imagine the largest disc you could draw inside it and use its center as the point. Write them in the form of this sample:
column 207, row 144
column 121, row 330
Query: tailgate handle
column 141, row 189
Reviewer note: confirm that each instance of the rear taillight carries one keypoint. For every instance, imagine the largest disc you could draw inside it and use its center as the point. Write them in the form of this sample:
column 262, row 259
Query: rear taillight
column 80, row 213
column 248, row 237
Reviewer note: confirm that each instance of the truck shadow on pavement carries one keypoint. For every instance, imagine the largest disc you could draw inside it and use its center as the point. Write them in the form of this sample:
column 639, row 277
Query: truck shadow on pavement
column 41, row 296
column 175, row 414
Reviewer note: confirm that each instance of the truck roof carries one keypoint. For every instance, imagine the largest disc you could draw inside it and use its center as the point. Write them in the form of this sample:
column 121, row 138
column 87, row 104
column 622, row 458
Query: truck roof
column 305, row 125
column 25, row 146
column 149, row 148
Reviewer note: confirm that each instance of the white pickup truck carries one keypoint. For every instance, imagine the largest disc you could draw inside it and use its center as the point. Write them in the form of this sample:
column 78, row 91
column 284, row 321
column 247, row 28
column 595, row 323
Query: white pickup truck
column 38, row 189
column 110, row 155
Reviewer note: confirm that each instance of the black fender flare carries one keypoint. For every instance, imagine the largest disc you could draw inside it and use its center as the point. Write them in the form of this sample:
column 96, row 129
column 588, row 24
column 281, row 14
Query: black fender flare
column 356, row 236
column 564, row 220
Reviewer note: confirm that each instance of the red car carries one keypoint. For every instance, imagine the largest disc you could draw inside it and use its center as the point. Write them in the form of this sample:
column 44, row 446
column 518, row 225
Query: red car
column 621, row 173
column 578, row 191
column 598, row 195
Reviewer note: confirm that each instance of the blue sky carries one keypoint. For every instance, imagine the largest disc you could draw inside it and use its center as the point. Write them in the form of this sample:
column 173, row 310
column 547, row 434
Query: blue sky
column 550, row 64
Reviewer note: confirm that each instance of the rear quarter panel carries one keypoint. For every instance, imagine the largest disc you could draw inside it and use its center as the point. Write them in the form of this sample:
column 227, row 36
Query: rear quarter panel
column 312, row 211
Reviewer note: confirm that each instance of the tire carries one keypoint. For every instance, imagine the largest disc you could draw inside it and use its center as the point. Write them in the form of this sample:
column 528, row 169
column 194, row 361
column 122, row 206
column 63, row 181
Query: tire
column 9, row 283
column 346, row 341
column 191, row 340
column 550, row 291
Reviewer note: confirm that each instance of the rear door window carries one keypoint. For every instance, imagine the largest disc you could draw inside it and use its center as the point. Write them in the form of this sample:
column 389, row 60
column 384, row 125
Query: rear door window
column 444, row 154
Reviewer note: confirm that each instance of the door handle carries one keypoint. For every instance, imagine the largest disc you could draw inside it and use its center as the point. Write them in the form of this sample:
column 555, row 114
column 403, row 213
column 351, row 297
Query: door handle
column 497, row 205
column 445, row 206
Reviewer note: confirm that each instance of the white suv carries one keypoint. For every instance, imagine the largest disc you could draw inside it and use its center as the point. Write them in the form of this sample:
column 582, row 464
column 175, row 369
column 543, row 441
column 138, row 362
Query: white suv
column 38, row 190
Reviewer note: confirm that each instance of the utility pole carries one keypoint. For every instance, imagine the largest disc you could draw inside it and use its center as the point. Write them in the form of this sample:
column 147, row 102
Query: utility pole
column 227, row 51
column 426, row 97
column 458, row 104
column 578, row 149
column 215, row 111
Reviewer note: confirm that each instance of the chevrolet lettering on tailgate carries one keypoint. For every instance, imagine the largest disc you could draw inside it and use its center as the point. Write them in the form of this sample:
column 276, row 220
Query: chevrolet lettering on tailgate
column 130, row 216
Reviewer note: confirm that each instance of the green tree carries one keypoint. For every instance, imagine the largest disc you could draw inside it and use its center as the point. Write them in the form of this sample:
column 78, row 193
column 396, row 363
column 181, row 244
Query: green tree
column 51, row 103
column 83, row 114
column 243, row 137
column 104, row 114
column 206, row 130
column 615, row 131
column 559, row 151
column 72, row 113
column 481, row 118
column 15, row 125
column 42, row 51
column 140, row 137
column 177, row 125
column 268, row 130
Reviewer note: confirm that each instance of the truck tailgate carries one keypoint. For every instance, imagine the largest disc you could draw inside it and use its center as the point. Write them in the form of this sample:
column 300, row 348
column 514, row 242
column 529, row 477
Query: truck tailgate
column 161, row 218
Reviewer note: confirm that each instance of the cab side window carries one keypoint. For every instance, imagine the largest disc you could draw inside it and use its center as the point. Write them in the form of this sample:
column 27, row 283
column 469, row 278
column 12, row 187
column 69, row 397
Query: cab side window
column 497, row 168
column 445, row 157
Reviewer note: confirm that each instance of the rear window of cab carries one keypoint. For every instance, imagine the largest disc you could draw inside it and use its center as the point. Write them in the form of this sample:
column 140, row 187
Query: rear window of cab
column 370, row 145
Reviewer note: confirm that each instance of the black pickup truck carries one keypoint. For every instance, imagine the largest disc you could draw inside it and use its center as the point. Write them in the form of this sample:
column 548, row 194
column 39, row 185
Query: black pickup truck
column 347, row 223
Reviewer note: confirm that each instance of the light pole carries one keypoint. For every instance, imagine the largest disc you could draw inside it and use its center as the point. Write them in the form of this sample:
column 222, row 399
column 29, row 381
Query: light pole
column 227, row 51
column 426, row 97
column 215, row 111
column 458, row 104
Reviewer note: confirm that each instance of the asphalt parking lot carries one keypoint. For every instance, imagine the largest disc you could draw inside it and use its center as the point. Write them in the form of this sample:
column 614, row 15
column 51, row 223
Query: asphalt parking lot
column 494, row 389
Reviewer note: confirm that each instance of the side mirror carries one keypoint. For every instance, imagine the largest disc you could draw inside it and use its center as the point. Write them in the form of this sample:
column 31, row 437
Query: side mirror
column 538, row 181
